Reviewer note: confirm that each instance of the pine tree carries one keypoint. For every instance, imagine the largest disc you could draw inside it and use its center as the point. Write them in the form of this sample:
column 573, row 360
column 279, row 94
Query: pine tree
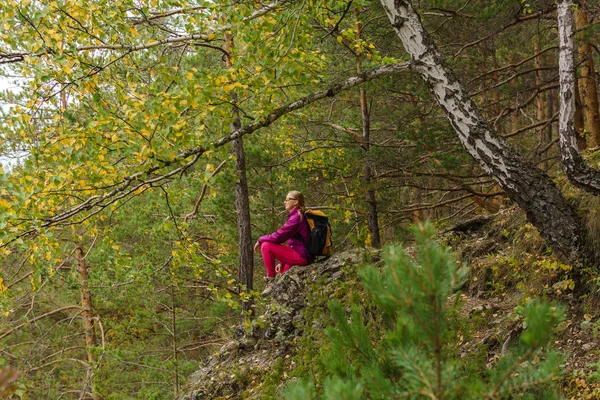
column 413, row 352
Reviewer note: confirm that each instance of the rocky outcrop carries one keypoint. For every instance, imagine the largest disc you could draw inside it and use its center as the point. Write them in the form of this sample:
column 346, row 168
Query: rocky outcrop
column 237, row 369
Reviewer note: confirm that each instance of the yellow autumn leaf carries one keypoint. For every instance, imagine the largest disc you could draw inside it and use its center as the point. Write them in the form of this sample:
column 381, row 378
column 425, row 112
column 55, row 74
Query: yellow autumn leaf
column 229, row 88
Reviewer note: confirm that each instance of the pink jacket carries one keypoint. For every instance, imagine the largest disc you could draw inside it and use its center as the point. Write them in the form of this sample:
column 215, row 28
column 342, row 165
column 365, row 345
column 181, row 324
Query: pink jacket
column 293, row 227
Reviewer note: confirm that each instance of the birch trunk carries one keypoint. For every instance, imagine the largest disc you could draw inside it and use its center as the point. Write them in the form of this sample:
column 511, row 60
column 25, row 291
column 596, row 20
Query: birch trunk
column 525, row 184
column 577, row 171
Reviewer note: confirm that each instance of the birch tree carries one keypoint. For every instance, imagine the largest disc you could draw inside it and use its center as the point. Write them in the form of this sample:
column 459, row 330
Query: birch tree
column 525, row 184
column 579, row 173
column 152, row 141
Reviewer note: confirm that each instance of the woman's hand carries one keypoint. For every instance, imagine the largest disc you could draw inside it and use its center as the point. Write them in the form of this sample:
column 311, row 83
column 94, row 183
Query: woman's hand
column 278, row 268
column 256, row 247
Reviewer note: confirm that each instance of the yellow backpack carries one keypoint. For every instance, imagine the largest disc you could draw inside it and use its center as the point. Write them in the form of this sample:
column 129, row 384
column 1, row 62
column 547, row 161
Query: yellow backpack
column 319, row 243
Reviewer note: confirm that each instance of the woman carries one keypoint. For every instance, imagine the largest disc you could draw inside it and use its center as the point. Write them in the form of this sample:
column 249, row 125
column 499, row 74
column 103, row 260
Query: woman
column 295, row 231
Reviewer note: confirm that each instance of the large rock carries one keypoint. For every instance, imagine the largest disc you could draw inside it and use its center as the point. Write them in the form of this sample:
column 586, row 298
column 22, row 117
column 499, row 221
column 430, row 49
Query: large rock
column 237, row 367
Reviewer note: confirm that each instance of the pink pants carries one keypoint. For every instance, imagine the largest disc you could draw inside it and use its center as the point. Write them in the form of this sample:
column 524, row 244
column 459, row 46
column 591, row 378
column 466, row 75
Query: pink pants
column 285, row 254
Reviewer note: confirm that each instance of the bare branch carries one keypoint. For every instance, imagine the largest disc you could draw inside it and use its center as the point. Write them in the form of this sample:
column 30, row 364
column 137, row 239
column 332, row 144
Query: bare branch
column 206, row 37
column 511, row 66
column 163, row 14
column 136, row 182
column 13, row 330
column 543, row 124
column 203, row 193
column 518, row 19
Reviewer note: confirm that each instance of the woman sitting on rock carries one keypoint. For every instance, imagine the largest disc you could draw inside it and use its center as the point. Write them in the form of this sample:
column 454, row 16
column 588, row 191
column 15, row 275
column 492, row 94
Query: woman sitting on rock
column 295, row 232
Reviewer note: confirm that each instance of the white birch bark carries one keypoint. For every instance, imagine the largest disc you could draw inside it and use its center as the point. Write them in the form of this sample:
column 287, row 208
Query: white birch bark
column 525, row 184
column 578, row 172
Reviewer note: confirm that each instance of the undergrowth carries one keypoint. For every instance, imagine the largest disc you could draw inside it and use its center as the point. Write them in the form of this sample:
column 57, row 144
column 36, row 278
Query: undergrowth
column 411, row 348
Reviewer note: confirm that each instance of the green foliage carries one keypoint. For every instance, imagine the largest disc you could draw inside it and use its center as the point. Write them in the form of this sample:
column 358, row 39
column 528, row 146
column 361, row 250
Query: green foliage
column 305, row 389
column 106, row 119
column 413, row 354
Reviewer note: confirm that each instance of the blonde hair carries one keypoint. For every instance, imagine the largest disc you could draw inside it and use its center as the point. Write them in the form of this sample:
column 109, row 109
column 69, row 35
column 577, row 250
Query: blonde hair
column 300, row 198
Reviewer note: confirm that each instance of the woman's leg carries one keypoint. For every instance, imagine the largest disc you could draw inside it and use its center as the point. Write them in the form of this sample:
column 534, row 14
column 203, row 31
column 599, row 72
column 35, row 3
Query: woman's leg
column 285, row 254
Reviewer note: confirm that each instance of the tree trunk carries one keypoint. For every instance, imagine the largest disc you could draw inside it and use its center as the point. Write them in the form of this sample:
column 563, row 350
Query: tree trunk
column 86, row 303
column 587, row 81
column 174, row 342
column 578, row 120
column 242, row 206
column 87, row 314
column 525, row 184
column 367, row 173
column 242, row 203
column 577, row 171
column 540, row 108
column 550, row 131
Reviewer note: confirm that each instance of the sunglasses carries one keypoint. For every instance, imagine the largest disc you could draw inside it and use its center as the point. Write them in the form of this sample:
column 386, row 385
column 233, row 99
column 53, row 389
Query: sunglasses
column 290, row 198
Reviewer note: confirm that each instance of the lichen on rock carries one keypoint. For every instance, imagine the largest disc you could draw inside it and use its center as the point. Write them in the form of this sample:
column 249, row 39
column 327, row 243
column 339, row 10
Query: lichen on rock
column 299, row 295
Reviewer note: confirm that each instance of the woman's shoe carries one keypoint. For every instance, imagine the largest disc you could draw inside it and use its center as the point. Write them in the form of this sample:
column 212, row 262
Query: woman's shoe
column 268, row 288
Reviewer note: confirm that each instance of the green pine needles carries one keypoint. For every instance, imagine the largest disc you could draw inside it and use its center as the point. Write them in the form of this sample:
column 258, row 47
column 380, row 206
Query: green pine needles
column 405, row 343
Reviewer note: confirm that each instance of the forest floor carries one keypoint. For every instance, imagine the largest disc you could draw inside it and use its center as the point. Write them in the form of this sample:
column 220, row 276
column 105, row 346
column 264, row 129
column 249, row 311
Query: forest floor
column 577, row 339
column 508, row 264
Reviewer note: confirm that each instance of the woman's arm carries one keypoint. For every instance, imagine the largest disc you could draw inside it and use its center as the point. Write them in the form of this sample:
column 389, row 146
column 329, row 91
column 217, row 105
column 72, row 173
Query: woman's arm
column 287, row 231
